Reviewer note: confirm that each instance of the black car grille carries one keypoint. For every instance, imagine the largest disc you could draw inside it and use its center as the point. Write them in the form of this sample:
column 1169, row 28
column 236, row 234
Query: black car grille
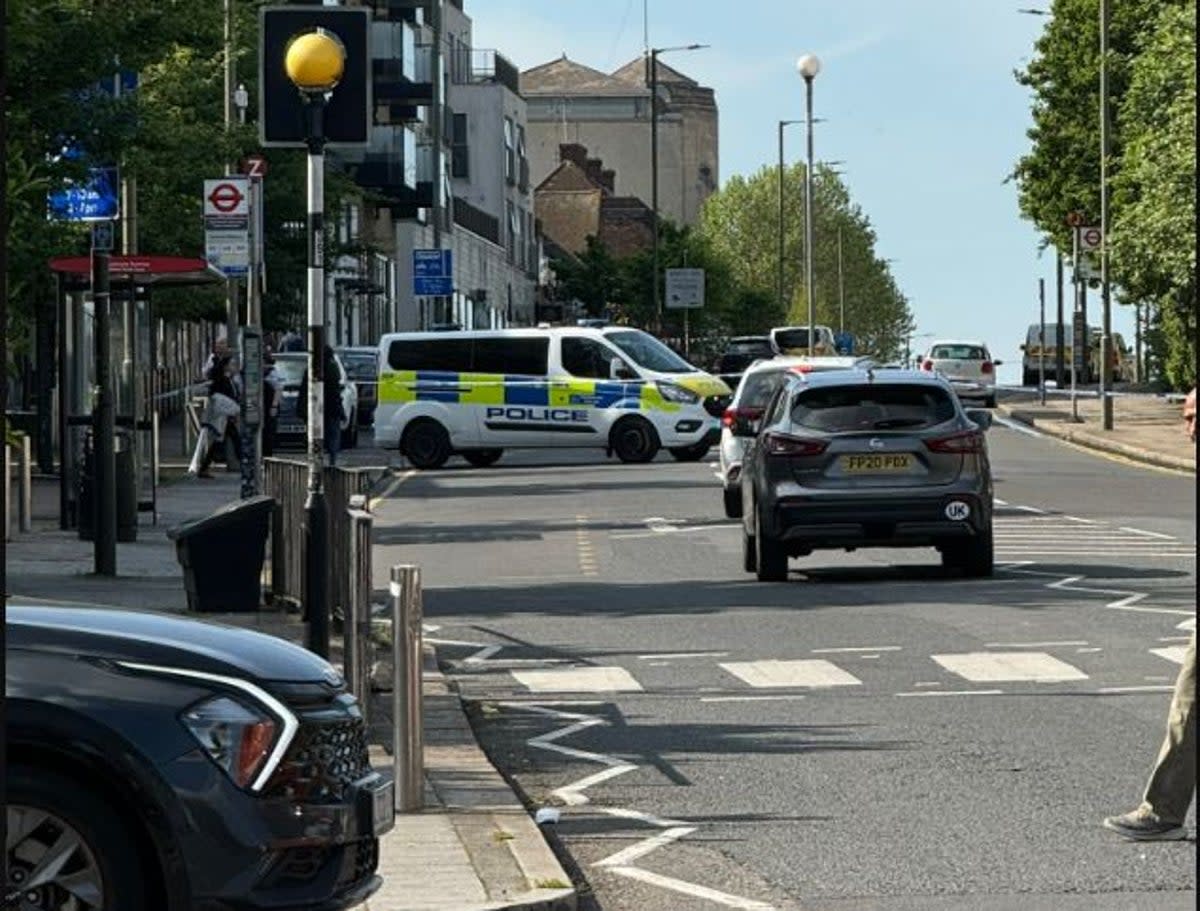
column 716, row 404
column 323, row 761
column 353, row 862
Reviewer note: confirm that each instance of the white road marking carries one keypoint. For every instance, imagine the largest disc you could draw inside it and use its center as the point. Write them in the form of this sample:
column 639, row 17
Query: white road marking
column 1114, row 690
column 992, row 667
column 955, row 693
column 673, row 529
column 780, row 698
column 1088, row 651
column 928, row 683
column 391, row 488
column 1128, row 602
column 1033, row 644
column 673, row 655
column 857, row 648
column 1173, row 653
column 1017, row 426
column 579, row 680
column 1149, row 534
column 1188, row 624
column 771, row 673
column 686, row 888
column 484, row 654
column 620, row 862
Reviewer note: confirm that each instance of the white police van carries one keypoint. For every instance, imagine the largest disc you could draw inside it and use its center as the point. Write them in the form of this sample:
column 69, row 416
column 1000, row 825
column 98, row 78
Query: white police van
column 478, row 393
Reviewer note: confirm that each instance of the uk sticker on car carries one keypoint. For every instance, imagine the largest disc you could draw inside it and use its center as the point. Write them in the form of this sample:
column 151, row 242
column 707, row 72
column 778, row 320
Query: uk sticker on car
column 957, row 511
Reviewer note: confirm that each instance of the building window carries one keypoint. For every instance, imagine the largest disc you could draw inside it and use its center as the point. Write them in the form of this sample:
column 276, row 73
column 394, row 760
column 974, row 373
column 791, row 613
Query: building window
column 510, row 148
column 460, row 163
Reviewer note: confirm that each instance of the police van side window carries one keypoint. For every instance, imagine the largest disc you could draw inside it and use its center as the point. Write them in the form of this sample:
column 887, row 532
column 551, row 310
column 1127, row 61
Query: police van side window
column 430, row 355
column 513, row 356
column 586, row 358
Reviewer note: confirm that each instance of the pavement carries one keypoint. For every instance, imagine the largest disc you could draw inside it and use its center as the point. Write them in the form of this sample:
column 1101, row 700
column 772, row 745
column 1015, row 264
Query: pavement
column 1146, row 428
column 473, row 847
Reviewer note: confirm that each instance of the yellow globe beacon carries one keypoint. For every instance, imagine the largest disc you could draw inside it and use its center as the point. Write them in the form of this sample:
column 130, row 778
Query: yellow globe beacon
column 315, row 61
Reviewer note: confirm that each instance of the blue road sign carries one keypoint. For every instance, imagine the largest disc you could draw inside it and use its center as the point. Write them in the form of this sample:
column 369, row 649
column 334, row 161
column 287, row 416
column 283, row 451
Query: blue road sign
column 433, row 273
column 96, row 200
column 844, row 342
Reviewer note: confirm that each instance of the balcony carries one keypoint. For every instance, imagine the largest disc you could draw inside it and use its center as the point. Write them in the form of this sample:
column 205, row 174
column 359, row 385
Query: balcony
column 476, row 220
column 414, row 11
column 401, row 72
column 390, row 167
column 472, row 66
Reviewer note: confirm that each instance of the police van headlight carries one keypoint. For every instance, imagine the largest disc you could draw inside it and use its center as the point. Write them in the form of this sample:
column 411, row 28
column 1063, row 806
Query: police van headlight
column 673, row 392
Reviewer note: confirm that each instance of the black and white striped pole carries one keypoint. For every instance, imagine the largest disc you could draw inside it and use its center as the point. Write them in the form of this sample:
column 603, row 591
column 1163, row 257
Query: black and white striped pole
column 315, row 62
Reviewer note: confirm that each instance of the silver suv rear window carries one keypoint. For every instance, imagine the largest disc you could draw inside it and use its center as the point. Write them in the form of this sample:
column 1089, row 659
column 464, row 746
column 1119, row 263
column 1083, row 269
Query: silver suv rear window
column 875, row 406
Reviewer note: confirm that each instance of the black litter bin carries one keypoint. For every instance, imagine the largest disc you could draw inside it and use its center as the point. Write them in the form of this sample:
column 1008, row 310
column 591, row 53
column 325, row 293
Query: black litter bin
column 126, row 484
column 222, row 556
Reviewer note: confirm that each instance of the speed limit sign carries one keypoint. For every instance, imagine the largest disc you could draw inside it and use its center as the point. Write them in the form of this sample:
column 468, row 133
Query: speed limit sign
column 1090, row 239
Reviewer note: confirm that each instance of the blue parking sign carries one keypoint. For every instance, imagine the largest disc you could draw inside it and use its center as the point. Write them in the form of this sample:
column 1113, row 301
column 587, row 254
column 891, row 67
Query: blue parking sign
column 96, row 200
column 433, row 273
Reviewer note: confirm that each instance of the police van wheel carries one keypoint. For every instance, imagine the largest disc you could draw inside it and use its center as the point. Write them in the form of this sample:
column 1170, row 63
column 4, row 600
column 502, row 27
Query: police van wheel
column 482, row 458
column 426, row 444
column 634, row 440
column 690, row 453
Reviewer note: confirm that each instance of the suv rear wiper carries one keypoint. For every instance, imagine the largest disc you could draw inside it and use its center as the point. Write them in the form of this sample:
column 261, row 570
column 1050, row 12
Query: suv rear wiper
column 889, row 423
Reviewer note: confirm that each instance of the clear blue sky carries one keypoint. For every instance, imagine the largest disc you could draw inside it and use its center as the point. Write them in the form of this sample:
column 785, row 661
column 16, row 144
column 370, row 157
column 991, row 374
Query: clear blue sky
column 918, row 100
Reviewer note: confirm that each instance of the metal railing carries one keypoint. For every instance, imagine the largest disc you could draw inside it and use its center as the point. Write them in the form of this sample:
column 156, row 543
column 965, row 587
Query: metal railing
column 18, row 457
column 359, row 652
column 408, row 719
column 286, row 480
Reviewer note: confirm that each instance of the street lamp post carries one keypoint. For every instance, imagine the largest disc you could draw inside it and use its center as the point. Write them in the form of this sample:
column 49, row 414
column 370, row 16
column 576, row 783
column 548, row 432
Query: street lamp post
column 652, row 79
column 782, row 124
column 1106, row 404
column 315, row 62
column 809, row 66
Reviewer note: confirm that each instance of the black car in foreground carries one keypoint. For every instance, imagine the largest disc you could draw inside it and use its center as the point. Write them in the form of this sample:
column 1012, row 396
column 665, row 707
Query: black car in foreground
column 162, row 763
column 866, row 458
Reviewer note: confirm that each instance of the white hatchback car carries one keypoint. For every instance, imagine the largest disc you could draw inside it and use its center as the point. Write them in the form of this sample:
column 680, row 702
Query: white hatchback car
column 969, row 367
column 757, row 385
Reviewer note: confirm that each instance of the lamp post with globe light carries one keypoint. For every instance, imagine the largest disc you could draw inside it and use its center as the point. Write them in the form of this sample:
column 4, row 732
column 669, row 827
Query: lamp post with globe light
column 809, row 66
column 315, row 61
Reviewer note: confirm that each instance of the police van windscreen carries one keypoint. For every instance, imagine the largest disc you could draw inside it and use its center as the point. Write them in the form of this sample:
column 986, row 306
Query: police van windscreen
column 511, row 356
column 647, row 351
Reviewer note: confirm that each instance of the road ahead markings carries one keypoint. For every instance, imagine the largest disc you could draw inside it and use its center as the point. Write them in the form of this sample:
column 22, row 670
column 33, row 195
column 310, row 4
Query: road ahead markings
column 774, row 674
column 1173, row 653
column 1004, row 667
column 1072, row 536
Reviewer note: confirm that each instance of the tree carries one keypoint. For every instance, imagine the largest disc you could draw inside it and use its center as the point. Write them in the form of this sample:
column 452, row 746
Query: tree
column 740, row 224
column 1153, row 240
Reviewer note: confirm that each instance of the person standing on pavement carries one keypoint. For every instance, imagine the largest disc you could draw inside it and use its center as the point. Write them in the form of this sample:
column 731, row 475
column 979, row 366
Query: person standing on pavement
column 1172, row 782
column 272, row 390
column 334, row 415
column 219, row 416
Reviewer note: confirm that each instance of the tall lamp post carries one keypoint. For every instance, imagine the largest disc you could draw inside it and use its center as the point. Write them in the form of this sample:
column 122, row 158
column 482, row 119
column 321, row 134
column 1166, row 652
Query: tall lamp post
column 315, row 63
column 652, row 80
column 1106, row 404
column 782, row 124
column 809, row 66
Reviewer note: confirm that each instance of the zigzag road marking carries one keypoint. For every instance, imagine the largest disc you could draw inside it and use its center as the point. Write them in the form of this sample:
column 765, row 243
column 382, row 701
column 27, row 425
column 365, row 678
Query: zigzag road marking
column 1127, row 601
column 621, row 862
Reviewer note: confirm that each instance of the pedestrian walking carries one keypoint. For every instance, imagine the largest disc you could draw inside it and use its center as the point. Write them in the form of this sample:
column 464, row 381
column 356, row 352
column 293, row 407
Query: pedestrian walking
column 272, row 391
column 1164, row 807
column 219, row 416
column 334, row 413
column 219, row 352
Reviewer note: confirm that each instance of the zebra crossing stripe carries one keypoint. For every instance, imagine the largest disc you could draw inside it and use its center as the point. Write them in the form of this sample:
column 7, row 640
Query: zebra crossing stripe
column 804, row 673
column 998, row 667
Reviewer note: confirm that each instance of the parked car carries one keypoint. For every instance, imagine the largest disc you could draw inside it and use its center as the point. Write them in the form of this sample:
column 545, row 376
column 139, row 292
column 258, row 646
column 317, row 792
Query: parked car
column 969, row 367
column 866, row 458
column 757, row 385
column 740, row 353
column 794, row 340
column 292, row 427
column 163, row 764
column 362, row 366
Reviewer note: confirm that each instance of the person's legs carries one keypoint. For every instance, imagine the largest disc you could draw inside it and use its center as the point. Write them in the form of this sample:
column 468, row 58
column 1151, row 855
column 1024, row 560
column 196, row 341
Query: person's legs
column 1173, row 780
column 333, row 441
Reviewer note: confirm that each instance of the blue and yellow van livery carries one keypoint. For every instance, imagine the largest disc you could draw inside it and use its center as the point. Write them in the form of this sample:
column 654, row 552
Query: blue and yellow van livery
column 545, row 388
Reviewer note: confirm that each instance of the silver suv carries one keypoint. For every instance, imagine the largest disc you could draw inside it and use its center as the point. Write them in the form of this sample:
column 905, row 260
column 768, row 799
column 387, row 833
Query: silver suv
column 866, row 458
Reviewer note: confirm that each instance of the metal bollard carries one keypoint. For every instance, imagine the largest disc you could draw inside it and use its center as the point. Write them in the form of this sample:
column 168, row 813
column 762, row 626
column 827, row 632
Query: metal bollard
column 25, row 485
column 356, row 630
column 408, row 727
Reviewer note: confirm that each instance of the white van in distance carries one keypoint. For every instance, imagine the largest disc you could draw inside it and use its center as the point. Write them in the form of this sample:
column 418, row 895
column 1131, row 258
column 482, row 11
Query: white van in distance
column 478, row 393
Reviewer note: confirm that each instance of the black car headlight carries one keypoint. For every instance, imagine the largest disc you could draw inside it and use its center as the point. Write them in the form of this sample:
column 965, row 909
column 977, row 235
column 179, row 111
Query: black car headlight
column 235, row 736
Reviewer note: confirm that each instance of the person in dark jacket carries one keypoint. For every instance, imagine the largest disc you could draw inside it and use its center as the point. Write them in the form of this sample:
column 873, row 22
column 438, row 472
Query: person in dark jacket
column 220, row 417
column 334, row 414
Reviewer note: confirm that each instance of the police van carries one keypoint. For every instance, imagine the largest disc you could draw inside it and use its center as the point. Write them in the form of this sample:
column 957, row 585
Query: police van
column 478, row 393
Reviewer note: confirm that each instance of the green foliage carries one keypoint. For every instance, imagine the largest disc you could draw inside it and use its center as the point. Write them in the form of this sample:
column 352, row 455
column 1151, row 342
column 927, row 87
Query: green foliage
column 1151, row 73
column 741, row 226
